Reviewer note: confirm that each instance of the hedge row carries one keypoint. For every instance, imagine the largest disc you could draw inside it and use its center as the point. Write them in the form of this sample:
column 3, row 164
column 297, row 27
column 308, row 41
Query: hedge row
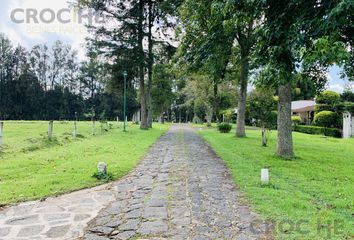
column 331, row 132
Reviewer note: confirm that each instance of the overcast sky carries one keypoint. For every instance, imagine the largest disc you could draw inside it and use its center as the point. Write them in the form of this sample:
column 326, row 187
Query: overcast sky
column 29, row 34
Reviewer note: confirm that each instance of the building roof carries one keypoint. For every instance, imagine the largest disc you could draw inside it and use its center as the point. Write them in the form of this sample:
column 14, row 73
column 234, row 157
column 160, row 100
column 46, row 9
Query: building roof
column 303, row 106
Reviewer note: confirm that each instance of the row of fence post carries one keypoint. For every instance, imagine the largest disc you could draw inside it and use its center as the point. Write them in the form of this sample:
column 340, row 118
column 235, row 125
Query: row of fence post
column 51, row 129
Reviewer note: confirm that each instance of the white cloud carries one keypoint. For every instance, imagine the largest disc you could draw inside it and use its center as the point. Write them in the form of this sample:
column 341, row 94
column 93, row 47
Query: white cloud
column 329, row 77
column 336, row 87
column 29, row 34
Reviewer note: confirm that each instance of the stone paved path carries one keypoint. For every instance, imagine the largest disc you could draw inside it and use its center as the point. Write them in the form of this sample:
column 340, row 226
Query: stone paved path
column 181, row 190
column 64, row 217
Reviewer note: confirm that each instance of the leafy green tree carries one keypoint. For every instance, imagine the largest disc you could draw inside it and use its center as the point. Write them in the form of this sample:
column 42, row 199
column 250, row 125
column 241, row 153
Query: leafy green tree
column 291, row 34
column 206, row 45
column 347, row 96
column 159, row 13
column 162, row 95
column 210, row 31
column 262, row 105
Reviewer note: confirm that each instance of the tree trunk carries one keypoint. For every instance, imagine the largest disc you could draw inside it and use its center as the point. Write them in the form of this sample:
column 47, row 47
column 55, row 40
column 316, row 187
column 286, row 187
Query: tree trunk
column 241, row 111
column 285, row 140
column 150, row 66
column 265, row 136
column 143, row 124
column 162, row 118
column 215, row 107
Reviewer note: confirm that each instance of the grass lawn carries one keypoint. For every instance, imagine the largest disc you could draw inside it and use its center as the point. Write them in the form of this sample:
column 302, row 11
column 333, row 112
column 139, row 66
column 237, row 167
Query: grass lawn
column 31, row 167
column 310, row 197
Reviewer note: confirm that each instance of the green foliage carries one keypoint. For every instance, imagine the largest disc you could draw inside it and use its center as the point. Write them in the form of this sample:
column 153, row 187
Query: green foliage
column 331, row 132
column 327, row 119
column 347, row 96
column 229, row 114
column 162, row 84
column 324, row 107
column 261, row 108
column 328, row 97
column 103, row 177
column 197, row 120
column 296, row 120
column 308, row 84
column 349, row 106
column 224, row 127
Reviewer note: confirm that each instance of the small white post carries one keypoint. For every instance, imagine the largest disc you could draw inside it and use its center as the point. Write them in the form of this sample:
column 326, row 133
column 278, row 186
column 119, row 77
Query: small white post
column 1, row 131
column 50, row 130
column 93, row 127
column 265, row 176
column 75, row 129
column 118, row 121
column 347, row 125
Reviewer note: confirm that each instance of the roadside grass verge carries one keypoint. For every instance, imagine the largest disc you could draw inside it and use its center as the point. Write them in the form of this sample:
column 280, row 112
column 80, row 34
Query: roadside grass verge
column 68, row 164
column 310, row 197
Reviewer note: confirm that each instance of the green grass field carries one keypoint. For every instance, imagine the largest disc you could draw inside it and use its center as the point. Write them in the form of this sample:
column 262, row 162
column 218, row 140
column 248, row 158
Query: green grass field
column 310, row 197
column 31, row 167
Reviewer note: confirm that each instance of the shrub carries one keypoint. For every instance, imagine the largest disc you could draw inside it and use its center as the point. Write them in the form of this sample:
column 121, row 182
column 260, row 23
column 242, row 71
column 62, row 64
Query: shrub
column 327, row 119
column 224, row 127
column 229, row 114
column 296, row 120
column 348, row 106
column 197, row 120
column 323, row 107
column 331, row 132
column 328, row 97
column 347, row 96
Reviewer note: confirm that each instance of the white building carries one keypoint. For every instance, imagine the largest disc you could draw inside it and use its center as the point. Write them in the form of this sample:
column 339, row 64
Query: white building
column 305, row 109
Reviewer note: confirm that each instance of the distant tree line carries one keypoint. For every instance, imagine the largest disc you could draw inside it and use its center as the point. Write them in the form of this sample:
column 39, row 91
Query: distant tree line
column 50, row 83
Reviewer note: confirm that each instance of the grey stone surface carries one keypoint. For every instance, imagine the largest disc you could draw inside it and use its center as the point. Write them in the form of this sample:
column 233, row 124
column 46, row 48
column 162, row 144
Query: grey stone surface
column 63, row 217
column 22, row 220
column 56, row 216
column 57, row 232
column 125, row 235
column 4, row 231
column 30, row 231
column 181, row 190
column 152, row 228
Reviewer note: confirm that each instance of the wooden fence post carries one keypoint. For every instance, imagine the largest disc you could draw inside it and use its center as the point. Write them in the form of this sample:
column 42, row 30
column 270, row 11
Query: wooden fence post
column 50, row 130
column 75, row 129
column 93, row 127
column 1, row 131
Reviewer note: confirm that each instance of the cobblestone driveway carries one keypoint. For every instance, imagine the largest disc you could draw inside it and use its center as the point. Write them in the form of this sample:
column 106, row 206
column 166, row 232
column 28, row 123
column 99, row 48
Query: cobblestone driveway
column 181, row 190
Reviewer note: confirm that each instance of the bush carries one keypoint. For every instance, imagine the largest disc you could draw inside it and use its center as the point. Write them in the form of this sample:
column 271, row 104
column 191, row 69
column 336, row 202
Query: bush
column 331, row 132
column 296, row 120
column 347, row 96
column 328, row 97
column 197, row 120
column 323, row 107
column 327, row 119
column 229, row 114
column 224, row 127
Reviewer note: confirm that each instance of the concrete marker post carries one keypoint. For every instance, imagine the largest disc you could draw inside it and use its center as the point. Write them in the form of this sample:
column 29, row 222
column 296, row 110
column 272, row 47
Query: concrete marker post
column 1, row 132
column 50, row 130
